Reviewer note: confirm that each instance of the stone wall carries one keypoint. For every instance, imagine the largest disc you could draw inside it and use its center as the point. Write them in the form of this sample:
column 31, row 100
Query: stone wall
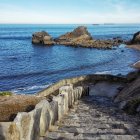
column 41, row 120
column 83, row 80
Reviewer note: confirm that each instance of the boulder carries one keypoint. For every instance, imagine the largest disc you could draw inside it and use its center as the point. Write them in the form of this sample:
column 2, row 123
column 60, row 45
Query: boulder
column 42, row 38
column 136, row 38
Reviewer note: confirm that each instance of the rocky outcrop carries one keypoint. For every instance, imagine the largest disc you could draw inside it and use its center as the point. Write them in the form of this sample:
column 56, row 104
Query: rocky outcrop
column 136, row 38
column 129, row 97
column 79, row 37
column 42, row 38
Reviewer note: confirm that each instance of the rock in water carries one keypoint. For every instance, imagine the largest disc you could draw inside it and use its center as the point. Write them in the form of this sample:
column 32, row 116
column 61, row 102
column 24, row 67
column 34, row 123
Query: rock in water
column 79, row 37
column 76, row 37
column 42, row 38
column 136, row 38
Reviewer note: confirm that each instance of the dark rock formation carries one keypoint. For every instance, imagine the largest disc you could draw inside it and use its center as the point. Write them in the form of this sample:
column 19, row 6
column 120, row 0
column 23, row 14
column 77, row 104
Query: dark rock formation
column 79, row 37
column 136, row 38
column 129, row 97
column 42, row 38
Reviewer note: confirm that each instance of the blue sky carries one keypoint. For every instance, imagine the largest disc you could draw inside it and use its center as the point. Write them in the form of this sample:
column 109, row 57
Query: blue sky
column 69, row 11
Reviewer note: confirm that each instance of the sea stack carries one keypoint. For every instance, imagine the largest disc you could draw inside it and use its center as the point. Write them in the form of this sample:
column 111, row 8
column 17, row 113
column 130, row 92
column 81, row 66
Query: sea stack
column 42, row 38
column 78, row 37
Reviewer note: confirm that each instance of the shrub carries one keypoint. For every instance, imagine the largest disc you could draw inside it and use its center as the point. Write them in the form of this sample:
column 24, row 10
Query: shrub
column 5, row 93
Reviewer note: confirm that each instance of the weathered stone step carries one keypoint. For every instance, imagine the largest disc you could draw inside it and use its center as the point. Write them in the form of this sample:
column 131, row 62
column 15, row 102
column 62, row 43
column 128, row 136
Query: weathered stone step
column 91, row 130
column 99, row 126
column 91, row 120
column 77, row 136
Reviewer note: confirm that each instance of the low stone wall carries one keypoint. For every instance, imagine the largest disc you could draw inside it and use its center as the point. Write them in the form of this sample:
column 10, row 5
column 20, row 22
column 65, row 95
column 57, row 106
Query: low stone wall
column 41, row 120
column 82, row 80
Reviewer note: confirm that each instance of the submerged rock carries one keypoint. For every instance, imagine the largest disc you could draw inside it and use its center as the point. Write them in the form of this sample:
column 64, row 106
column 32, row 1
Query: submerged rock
column 42, row 38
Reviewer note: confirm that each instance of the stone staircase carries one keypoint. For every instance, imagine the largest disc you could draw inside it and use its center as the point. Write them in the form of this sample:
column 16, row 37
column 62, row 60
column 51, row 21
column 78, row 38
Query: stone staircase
column 96, row 118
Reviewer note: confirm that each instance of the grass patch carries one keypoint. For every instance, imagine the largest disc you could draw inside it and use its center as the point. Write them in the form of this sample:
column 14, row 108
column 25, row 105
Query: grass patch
column 6, row 93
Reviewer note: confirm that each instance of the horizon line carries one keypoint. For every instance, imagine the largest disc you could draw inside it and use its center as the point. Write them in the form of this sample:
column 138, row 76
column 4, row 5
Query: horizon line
column 69, row 23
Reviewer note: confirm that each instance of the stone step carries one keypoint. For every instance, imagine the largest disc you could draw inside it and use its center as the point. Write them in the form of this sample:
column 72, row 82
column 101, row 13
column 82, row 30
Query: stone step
column 91, row 130
column 91, row 120
column 76, row 136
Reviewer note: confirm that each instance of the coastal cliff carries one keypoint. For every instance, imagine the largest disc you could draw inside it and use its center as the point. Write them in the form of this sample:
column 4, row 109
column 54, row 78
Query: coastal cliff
column 79, row 37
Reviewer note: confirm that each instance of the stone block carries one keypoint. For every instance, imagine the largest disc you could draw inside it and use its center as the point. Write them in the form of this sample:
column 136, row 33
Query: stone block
column 54, row 108
column 69, row 90
column 46, row 116
column 23, row 121
column 9, row 131
column 66, row 100
column 60, row 100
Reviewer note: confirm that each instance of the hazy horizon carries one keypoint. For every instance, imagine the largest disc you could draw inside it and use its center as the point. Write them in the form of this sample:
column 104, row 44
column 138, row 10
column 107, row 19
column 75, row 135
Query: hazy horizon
column 69, row 12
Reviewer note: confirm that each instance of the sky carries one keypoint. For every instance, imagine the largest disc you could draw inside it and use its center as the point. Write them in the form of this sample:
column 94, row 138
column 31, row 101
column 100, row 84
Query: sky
column 69, row 11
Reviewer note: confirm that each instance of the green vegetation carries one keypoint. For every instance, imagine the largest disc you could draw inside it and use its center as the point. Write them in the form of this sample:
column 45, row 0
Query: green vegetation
column 132, row 106
column 5, row 93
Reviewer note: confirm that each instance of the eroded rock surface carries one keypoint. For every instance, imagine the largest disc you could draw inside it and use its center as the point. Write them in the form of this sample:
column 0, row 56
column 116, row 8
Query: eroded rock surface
column 129, row 97
column 79, row 37
column 42, row 38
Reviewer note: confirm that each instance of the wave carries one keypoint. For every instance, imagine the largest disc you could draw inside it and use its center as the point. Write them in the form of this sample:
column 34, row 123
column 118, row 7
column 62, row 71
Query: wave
column 49, row 72
column 104, row 72
column 16, row 37
column 30, row 89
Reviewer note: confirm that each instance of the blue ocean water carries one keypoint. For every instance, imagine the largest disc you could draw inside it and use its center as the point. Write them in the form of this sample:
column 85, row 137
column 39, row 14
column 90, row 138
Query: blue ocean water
column 27, row 68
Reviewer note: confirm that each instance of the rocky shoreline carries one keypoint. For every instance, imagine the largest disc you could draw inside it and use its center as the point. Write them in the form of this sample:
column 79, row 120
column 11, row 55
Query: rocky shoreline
column 79, row 37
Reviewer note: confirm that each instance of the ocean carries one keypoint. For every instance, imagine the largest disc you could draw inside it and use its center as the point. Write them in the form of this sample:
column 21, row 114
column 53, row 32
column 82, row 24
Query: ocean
column 26, row 68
